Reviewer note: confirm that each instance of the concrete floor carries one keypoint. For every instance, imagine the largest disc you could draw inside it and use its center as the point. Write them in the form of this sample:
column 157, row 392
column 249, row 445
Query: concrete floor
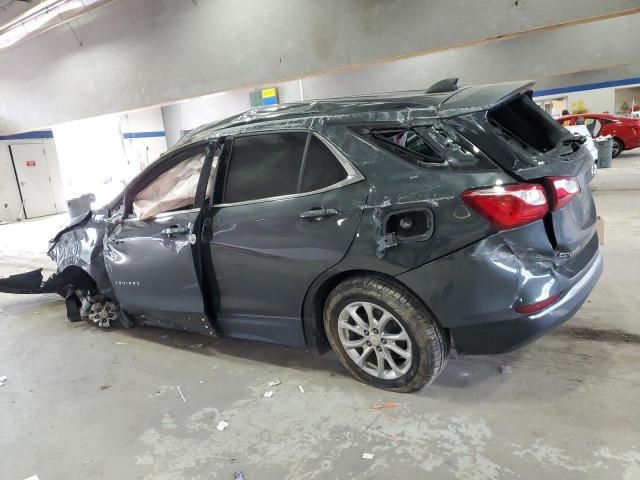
column 85, row 403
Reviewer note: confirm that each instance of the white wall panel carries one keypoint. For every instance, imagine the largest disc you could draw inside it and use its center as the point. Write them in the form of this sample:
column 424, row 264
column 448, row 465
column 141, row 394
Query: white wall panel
column 92, row 157
column 140, row 149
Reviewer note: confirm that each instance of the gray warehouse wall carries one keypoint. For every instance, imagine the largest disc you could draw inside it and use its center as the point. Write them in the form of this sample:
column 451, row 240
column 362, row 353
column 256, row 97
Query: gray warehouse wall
column 537, row 55
column 137, row 53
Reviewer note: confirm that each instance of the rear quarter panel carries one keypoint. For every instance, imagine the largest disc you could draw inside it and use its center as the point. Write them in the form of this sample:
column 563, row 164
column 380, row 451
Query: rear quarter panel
column 397, row 185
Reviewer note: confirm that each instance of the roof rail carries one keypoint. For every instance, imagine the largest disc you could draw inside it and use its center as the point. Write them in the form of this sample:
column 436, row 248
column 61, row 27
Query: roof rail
column 446, row 85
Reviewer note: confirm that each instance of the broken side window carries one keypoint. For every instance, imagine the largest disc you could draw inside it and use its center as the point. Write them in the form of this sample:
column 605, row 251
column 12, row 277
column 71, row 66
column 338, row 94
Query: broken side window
column 406, row 144
column 431, row 145
column 459, row 152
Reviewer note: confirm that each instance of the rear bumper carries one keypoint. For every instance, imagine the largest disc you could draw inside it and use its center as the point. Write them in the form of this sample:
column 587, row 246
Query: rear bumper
column 473, row 291
column 508, row 335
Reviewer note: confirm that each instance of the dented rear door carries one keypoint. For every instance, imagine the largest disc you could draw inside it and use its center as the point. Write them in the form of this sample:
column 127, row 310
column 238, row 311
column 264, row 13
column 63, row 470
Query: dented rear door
column 266, row 252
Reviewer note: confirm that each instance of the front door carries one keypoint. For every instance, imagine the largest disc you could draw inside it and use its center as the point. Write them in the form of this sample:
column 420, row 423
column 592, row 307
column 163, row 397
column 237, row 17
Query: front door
column 149, row 255
column 33, row 179
column 289, row 211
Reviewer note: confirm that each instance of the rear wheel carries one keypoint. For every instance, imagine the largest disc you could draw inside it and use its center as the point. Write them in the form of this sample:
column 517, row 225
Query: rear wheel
column 383, row 335
column 617, row 148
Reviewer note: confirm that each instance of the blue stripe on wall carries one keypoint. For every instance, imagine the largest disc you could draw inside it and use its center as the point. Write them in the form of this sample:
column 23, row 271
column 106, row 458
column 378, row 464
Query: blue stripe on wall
column 143, row 134
column 28, row 135
column 586, row 86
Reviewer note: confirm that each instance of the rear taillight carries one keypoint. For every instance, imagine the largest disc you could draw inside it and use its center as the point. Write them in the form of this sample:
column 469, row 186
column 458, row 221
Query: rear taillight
column 562, row 190
column 508, row 206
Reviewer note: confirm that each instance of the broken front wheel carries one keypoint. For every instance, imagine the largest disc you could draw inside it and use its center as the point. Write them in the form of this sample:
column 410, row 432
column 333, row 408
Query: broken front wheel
column 100, row 311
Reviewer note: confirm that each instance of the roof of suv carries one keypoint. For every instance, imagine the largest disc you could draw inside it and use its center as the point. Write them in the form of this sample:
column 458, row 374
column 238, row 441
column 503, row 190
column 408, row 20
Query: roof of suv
column 464, row 99
column 335, row 106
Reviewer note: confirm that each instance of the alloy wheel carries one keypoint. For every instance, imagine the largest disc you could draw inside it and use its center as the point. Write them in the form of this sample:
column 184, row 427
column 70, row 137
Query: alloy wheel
column 375, row 340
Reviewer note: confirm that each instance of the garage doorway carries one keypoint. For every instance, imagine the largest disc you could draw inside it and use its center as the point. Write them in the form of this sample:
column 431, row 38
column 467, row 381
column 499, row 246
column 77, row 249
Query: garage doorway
column 553, row 106
column 34, row 181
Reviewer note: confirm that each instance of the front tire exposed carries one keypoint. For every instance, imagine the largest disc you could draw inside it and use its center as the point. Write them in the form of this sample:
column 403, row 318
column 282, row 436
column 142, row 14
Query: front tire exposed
column 384, row 335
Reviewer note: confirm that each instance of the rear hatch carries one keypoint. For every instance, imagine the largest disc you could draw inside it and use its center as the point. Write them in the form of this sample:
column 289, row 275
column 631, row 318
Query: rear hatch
column 532, row 147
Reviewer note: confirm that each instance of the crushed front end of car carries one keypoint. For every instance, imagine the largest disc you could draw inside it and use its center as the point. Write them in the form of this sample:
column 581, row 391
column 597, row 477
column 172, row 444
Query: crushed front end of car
column 81, row 277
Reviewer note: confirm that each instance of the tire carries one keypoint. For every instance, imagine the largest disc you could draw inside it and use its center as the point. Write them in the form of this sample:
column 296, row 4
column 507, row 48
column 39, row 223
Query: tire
column 617, row 149
column 427, row 342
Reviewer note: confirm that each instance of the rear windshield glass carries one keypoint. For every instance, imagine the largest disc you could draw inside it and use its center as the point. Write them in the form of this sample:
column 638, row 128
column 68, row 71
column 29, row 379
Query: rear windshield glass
column 523, row 120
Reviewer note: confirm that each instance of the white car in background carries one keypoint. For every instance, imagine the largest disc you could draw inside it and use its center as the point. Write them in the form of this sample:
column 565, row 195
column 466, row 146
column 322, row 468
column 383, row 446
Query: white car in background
column 584, row 131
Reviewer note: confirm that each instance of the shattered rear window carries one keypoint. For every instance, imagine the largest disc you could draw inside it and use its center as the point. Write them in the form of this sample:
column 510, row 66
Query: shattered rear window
column 523, row 120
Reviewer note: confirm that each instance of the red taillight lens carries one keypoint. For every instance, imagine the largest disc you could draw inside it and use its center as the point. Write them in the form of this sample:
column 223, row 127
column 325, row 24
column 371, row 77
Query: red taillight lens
column 536, row 307
column 562, row 190
column 508, row 206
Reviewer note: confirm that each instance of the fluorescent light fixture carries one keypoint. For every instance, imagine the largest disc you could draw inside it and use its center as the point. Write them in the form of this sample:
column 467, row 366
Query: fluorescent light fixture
column 45, row 15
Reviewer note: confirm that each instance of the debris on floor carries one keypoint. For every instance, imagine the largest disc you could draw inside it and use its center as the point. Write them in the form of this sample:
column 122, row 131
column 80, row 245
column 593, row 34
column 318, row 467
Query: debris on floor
column 180, row 392
column 238, row 476
column 368, row 456
column 122, row 343
column 197, row 345
column 268, row 394
column 3, row 380
column 222, row 426
column 164, row 337
column 273, row 383
column 300, row 388
column 505, row 369
column 105, row 386
column 383, row 406
column 33, row 477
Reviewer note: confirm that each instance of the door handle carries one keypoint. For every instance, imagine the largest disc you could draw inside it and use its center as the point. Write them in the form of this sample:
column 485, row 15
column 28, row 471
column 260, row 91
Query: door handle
column 318, row 213
column 168, row 232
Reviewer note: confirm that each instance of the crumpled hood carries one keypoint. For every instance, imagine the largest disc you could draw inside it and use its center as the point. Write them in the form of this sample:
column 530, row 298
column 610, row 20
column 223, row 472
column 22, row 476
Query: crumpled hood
column 75, row 222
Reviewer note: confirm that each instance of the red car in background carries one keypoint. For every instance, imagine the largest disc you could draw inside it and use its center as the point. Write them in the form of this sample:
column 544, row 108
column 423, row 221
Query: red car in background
column 624, row 130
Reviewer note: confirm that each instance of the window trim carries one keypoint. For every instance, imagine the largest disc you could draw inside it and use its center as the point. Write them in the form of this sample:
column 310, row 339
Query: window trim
column 353, row 175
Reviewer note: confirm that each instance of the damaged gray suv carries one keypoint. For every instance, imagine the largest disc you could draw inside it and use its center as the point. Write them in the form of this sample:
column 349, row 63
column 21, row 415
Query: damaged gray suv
column 387, row 227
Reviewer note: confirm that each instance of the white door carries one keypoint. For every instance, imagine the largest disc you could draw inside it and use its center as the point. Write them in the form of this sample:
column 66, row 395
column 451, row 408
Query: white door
column 33, row 178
